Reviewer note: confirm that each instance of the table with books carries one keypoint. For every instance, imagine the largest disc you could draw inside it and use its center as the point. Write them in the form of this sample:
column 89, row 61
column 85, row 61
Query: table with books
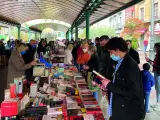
column 57, row 93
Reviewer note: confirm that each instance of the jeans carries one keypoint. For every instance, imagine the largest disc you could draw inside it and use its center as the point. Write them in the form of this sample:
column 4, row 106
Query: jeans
column 95, row 94
column 145, row 48
column 157, row 85
column 146, row 98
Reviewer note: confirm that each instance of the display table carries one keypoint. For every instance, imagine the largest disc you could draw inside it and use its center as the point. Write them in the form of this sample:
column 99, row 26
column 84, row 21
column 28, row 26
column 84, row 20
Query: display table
column 65, row 96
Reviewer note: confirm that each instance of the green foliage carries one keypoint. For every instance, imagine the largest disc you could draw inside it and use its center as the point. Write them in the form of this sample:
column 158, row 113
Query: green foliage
column 134, row 43
column 97, row 32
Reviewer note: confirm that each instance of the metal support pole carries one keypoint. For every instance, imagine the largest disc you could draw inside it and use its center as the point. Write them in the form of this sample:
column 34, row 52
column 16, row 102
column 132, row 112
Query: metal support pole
column 28, row 35
column 40, row 36
column 67, row 35
column 87, row 24
column 71, row 33
column 19, row 32
column 152, row 37
column 76, row 35
column 35, row 35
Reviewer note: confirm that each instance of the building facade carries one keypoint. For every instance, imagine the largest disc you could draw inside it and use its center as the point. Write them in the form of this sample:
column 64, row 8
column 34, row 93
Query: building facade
column 143, row 12
column 115, row 21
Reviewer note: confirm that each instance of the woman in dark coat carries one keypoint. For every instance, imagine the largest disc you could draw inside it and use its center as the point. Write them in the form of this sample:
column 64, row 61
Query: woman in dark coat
column 126, row 100
column 94, row 62
column 42, row 47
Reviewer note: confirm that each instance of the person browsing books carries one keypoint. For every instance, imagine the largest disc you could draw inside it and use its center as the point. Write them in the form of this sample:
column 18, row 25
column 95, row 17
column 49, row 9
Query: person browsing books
column 126, row 99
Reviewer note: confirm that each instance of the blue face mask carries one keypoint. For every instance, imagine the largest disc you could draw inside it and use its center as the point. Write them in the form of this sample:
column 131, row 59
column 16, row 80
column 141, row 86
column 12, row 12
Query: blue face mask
column 115, row 58
column 33, row 46
column 22, row 52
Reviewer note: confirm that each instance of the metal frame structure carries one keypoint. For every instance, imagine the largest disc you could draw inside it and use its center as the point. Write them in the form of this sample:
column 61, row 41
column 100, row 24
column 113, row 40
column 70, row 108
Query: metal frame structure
column 78, row 13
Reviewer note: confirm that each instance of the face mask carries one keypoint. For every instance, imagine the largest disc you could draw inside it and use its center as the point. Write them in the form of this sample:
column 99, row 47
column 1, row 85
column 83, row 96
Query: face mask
column 115, row 58
column 22, row 52
column 33, row 46
column 89, row 52
column 129, row 47
column 84, row 50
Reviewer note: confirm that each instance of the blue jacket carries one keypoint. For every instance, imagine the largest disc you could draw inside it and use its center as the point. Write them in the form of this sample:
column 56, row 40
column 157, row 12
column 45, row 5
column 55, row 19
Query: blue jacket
column 148, row 80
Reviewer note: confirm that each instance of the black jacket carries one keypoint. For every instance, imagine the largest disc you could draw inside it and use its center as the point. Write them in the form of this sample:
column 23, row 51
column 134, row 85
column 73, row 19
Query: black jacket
column 128, row 99
column 94, row 63
column 74, row 52
column 98, row 49
column 28, row 58
column 2, row 50
column 41, row 49
column 135, row 55
column 106, row 64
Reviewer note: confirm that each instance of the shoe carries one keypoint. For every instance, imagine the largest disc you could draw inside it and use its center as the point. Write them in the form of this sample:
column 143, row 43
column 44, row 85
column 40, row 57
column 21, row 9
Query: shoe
column 148, row 112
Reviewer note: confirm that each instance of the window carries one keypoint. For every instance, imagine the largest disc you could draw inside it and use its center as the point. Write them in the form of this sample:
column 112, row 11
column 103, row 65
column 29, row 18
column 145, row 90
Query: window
column 156, row 10
column 142, row 13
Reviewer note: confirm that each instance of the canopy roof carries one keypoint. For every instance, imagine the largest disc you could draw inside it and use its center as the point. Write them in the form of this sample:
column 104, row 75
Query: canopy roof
column 17, row 12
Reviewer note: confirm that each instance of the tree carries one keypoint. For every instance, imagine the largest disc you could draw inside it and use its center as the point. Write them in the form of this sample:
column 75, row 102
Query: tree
column 132, row 31
column 97, row 32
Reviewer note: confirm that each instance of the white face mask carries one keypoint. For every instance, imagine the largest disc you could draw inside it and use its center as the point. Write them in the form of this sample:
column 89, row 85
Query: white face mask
column 85, row 50
column 89, row 52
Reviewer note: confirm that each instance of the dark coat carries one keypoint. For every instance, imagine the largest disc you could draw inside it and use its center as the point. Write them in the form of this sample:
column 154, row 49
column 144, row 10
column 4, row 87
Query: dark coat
column 94, row 63
column 74, row 52
column 41, row 49
column 156, row 65
column 2, row 50
column 135, row 55
column 106, row 64
column 128, row 99
column 29, row 55
column 28, row 58
column 98, row 49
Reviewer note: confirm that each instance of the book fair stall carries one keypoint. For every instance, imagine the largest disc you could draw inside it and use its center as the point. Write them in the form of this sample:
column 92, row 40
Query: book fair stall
column 58, row 92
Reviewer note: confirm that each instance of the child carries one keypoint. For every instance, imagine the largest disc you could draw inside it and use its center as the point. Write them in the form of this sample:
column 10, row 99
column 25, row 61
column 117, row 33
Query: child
column 148, row 82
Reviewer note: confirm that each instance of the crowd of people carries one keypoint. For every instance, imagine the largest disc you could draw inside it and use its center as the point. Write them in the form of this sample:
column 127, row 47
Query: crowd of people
column 114, row 58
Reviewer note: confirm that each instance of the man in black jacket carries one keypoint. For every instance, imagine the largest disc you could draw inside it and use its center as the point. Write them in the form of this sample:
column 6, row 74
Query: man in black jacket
column 97, row 41
column 74, row 52
column 29, row 57
column 126, row 100
column 133, row 53
column 107, row 64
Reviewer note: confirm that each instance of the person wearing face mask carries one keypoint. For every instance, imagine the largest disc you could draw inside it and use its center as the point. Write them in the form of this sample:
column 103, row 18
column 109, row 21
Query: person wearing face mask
column 92, row 51
column 107, row 64
column 93, row 64
column 83, row 56
column 16, row 65
column 29, row 57
column 126, row 99
column 133, row 53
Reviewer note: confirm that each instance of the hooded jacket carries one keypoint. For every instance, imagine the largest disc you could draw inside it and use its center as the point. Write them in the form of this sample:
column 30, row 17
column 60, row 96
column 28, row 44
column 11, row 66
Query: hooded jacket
column 148, row 80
